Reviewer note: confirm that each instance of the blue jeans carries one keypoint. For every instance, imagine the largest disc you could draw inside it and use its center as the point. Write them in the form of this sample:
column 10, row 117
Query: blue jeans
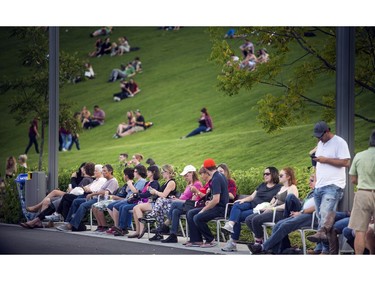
column 349, row 234
column 279, row 239
column 174, row 215
column 125, row 217
column 292, row 204
column 117, row 205
column 326, row 200
column 74, row 207
column 238, row 214
column 198, row 223
column 255, row 221
column 78, row 216
column 197, row 131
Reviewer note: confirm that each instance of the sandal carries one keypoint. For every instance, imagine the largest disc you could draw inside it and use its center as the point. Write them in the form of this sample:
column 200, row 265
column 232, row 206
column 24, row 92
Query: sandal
column 26, row 225
column 193, row 244
column 142, row 233
column 209, row 244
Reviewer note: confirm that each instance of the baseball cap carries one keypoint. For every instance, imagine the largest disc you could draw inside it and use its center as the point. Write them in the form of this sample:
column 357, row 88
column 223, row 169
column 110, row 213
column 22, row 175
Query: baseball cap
column 208, row 163
column 187, row 169
column 320, row 128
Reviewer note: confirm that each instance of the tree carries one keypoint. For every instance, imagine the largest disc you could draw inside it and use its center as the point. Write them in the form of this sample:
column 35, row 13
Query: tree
column 314, row 55
column 32, row 95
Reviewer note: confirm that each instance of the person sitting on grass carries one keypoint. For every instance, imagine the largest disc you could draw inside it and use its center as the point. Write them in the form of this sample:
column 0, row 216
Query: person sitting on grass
column 123, row 127
column 205, row 124
column 128, row 90
column 138, row 126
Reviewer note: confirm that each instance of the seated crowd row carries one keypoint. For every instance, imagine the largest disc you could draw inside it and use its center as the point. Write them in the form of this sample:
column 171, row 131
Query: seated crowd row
column 142, row 199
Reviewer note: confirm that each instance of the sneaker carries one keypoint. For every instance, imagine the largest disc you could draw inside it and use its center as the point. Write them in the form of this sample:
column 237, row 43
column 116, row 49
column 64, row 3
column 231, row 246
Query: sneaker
column 64, row 227
column 255, row 249
column 116, row 99
column 55, row 217
column 156, row 237
column 230, row 246
column 171, row 239
column 228, row 227
column 99, row 229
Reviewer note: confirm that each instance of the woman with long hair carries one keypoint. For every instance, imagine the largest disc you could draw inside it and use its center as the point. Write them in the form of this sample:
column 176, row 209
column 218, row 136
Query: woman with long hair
column 205, row 124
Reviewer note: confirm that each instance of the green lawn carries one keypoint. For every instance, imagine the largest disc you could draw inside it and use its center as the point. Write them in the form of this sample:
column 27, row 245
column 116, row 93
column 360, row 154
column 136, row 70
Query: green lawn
column 177, row 81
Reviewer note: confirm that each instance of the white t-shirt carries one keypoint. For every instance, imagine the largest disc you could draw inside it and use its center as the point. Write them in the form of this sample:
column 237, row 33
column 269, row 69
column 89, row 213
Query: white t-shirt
column 327, row 174
column 97, row 184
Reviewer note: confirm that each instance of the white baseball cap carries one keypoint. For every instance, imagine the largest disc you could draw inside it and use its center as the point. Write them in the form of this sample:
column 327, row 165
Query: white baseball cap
column 187, row 169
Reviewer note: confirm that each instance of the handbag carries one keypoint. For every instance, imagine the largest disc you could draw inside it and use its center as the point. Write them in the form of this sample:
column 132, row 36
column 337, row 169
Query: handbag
column 77, row 191
column 188, row 205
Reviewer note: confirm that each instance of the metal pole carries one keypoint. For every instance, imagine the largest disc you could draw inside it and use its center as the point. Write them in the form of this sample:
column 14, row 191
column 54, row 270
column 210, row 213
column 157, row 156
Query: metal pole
column 53, row 129
column 345, row 55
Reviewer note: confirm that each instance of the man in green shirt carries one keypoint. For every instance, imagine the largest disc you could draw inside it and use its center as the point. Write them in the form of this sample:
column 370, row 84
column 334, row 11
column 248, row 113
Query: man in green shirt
column 362, row 173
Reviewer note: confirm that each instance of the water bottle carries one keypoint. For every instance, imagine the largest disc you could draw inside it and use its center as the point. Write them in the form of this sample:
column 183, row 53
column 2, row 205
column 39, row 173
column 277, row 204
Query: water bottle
column 106, row 195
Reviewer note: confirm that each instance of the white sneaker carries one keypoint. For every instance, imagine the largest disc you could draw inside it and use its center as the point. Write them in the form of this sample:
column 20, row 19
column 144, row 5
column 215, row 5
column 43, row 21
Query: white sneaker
column 64, row 227
column 230, row 246
column 116, row 99
column 55, row 217
column 228, row 227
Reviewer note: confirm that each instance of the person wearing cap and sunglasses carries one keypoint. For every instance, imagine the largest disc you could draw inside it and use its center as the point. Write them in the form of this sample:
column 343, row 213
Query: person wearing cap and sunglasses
column 332, row 156
column 198, row 218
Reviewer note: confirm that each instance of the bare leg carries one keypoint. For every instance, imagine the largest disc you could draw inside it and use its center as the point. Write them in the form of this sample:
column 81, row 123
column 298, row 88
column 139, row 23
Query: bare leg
column 45, row 203
column 370, row 240
column 99, row 215
column 115, row 216
column 136, row 213
column 127, row 133
column 359, row 242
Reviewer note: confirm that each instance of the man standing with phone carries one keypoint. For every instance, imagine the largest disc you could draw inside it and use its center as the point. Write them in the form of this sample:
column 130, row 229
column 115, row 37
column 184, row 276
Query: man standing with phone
column 332, row 157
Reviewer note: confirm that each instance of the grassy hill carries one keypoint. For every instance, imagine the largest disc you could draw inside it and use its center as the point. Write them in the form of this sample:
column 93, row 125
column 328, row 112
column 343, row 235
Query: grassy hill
column 177, row 81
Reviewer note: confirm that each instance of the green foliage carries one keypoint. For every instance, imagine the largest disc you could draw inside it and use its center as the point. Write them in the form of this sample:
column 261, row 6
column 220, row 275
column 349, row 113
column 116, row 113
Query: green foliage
column 310, row 57
column 10, row 211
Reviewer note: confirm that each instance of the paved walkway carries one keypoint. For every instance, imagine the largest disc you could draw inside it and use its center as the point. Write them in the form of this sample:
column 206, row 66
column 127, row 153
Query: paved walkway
column 241, row 248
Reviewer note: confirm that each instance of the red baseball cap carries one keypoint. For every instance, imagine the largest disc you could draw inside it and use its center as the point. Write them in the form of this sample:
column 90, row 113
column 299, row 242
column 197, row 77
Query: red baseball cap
column 208, row 163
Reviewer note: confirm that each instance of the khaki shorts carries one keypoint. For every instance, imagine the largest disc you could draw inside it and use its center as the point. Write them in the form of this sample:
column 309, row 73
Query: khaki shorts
column 138, row 129
column 363, row 210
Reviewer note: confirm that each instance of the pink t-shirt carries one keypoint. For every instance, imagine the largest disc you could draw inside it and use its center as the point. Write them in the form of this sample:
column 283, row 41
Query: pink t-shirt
column 187, row 192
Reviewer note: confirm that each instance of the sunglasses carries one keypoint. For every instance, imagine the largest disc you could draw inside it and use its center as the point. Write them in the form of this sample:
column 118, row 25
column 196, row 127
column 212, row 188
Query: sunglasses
column 266, row 174
column 322, row 135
